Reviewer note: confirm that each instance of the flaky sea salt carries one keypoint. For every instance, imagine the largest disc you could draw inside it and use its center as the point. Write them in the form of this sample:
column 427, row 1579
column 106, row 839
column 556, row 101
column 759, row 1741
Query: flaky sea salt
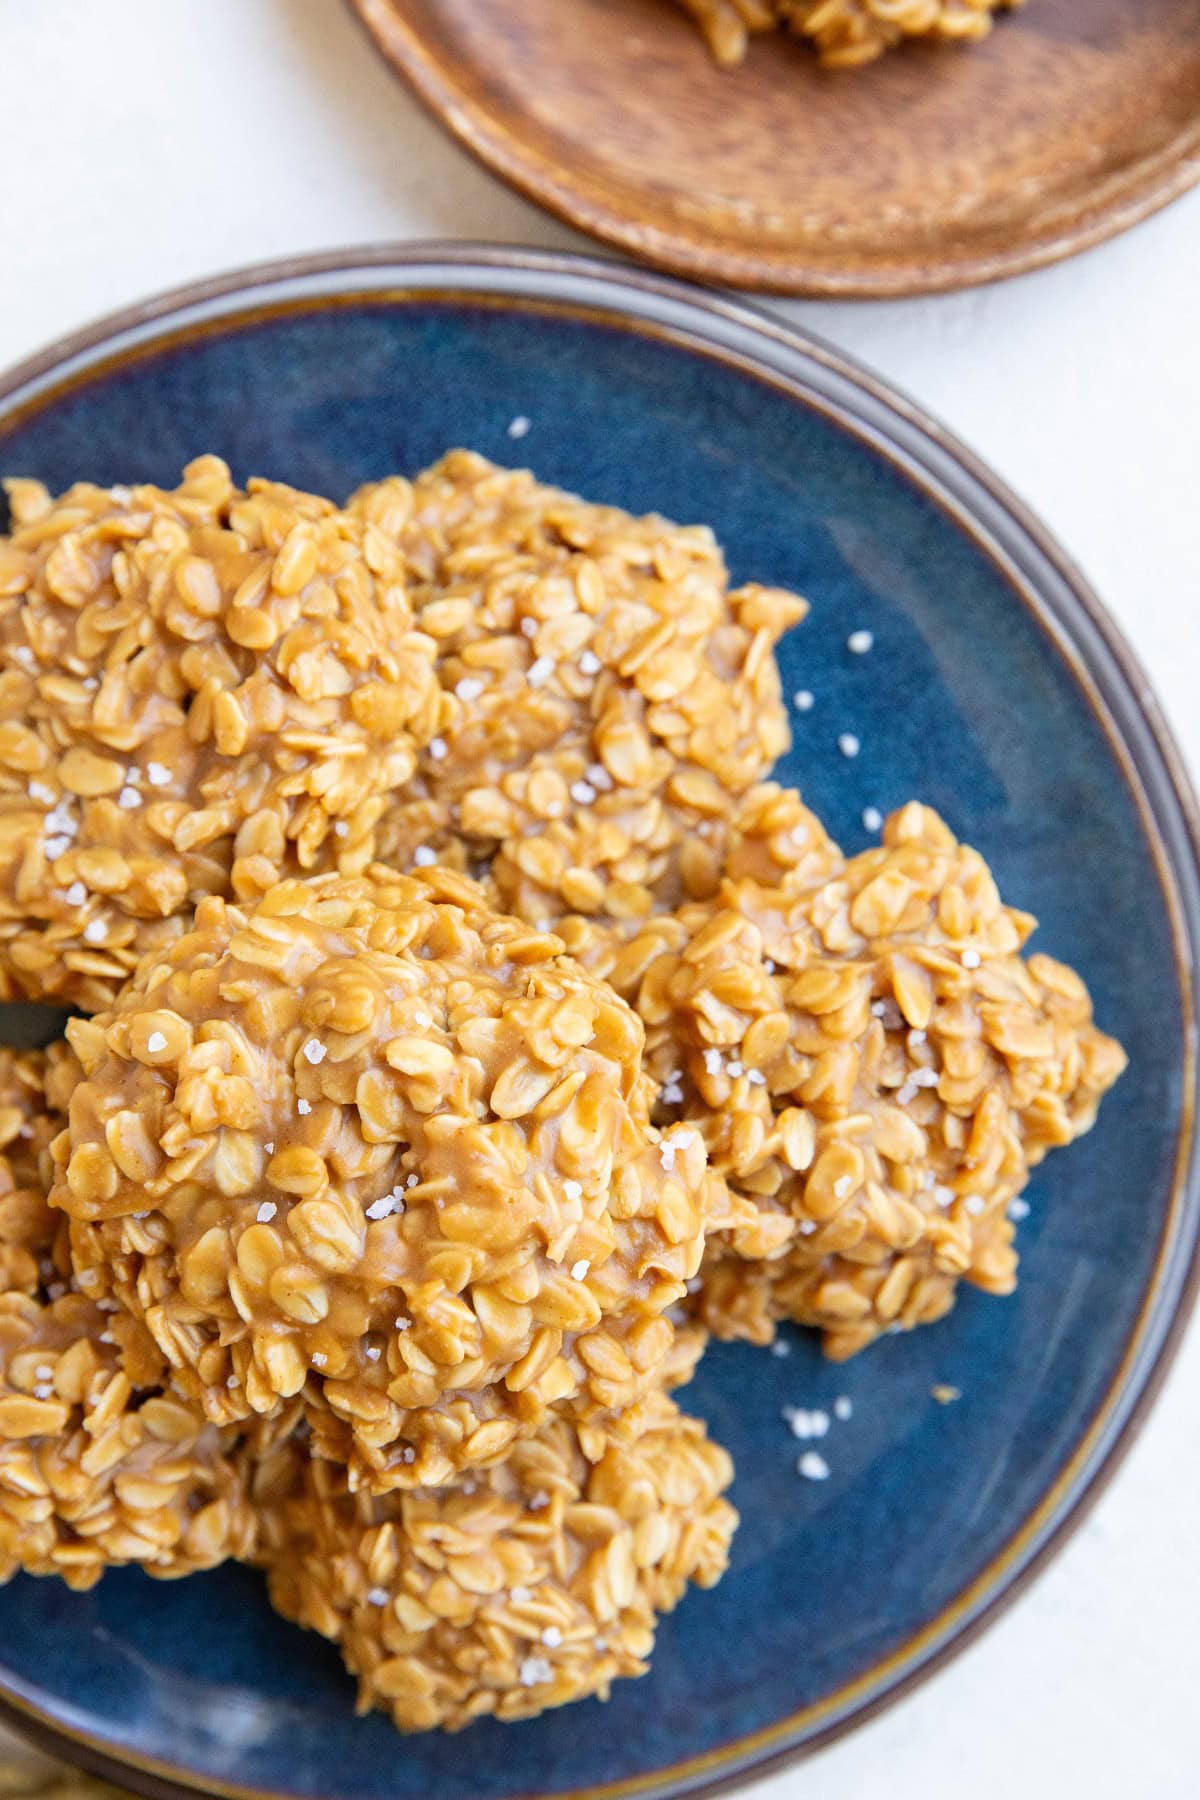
column 804, row 1422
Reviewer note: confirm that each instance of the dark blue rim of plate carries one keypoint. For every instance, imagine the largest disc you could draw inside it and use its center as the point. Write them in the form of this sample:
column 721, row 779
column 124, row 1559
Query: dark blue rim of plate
column 1059, row 598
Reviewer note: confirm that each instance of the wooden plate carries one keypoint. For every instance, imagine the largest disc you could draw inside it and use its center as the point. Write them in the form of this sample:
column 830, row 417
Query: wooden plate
column 933, row 169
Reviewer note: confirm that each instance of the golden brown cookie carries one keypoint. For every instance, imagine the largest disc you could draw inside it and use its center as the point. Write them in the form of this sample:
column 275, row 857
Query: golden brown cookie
column 609, row 696
column 374, row 1138
column 92, row 1474
column 536, row 1582
column 876, row 1068
column 846, row 33
column 200, row 690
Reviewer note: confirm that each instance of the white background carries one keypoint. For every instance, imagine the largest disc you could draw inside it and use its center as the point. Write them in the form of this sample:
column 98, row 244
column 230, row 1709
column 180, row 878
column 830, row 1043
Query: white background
column 148, row 142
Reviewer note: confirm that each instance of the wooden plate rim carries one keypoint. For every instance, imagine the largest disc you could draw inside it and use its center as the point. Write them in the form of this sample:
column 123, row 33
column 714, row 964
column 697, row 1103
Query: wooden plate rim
column 549, row 184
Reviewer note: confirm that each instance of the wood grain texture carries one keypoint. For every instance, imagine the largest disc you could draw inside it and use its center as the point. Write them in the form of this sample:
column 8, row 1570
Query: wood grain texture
column 932, row 169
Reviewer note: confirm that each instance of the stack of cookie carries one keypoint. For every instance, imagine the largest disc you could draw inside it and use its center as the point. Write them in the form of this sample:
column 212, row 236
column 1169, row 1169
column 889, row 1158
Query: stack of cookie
column 466, row 1027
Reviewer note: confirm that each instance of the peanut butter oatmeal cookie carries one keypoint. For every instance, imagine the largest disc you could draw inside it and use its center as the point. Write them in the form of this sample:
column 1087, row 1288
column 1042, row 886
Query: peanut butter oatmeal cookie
column 371, row 1140
column 91, row 1474
column 877, row 1069
column 538, row 1582
column 94, row 1474
column 609, row 697
column 845, row 33
column 200, row 690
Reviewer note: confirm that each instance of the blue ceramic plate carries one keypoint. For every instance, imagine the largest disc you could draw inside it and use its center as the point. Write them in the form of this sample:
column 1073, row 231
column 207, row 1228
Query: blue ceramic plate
column 996, row 690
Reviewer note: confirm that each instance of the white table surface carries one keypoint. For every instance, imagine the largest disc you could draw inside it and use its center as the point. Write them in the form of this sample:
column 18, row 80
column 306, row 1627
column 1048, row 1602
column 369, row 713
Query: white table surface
column 149, row 142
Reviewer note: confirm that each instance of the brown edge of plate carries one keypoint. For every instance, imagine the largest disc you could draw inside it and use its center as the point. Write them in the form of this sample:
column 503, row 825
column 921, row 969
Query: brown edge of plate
column 160, row 1780
column 548, row 185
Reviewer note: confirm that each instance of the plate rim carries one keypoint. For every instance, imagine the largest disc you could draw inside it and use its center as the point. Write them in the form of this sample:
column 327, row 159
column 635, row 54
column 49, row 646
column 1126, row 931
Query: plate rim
column 634, row 295
column 1165, row 177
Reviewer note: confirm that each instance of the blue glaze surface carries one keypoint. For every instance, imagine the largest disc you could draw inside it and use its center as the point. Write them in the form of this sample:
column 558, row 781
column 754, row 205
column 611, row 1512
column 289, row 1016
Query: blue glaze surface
column 965, row 701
